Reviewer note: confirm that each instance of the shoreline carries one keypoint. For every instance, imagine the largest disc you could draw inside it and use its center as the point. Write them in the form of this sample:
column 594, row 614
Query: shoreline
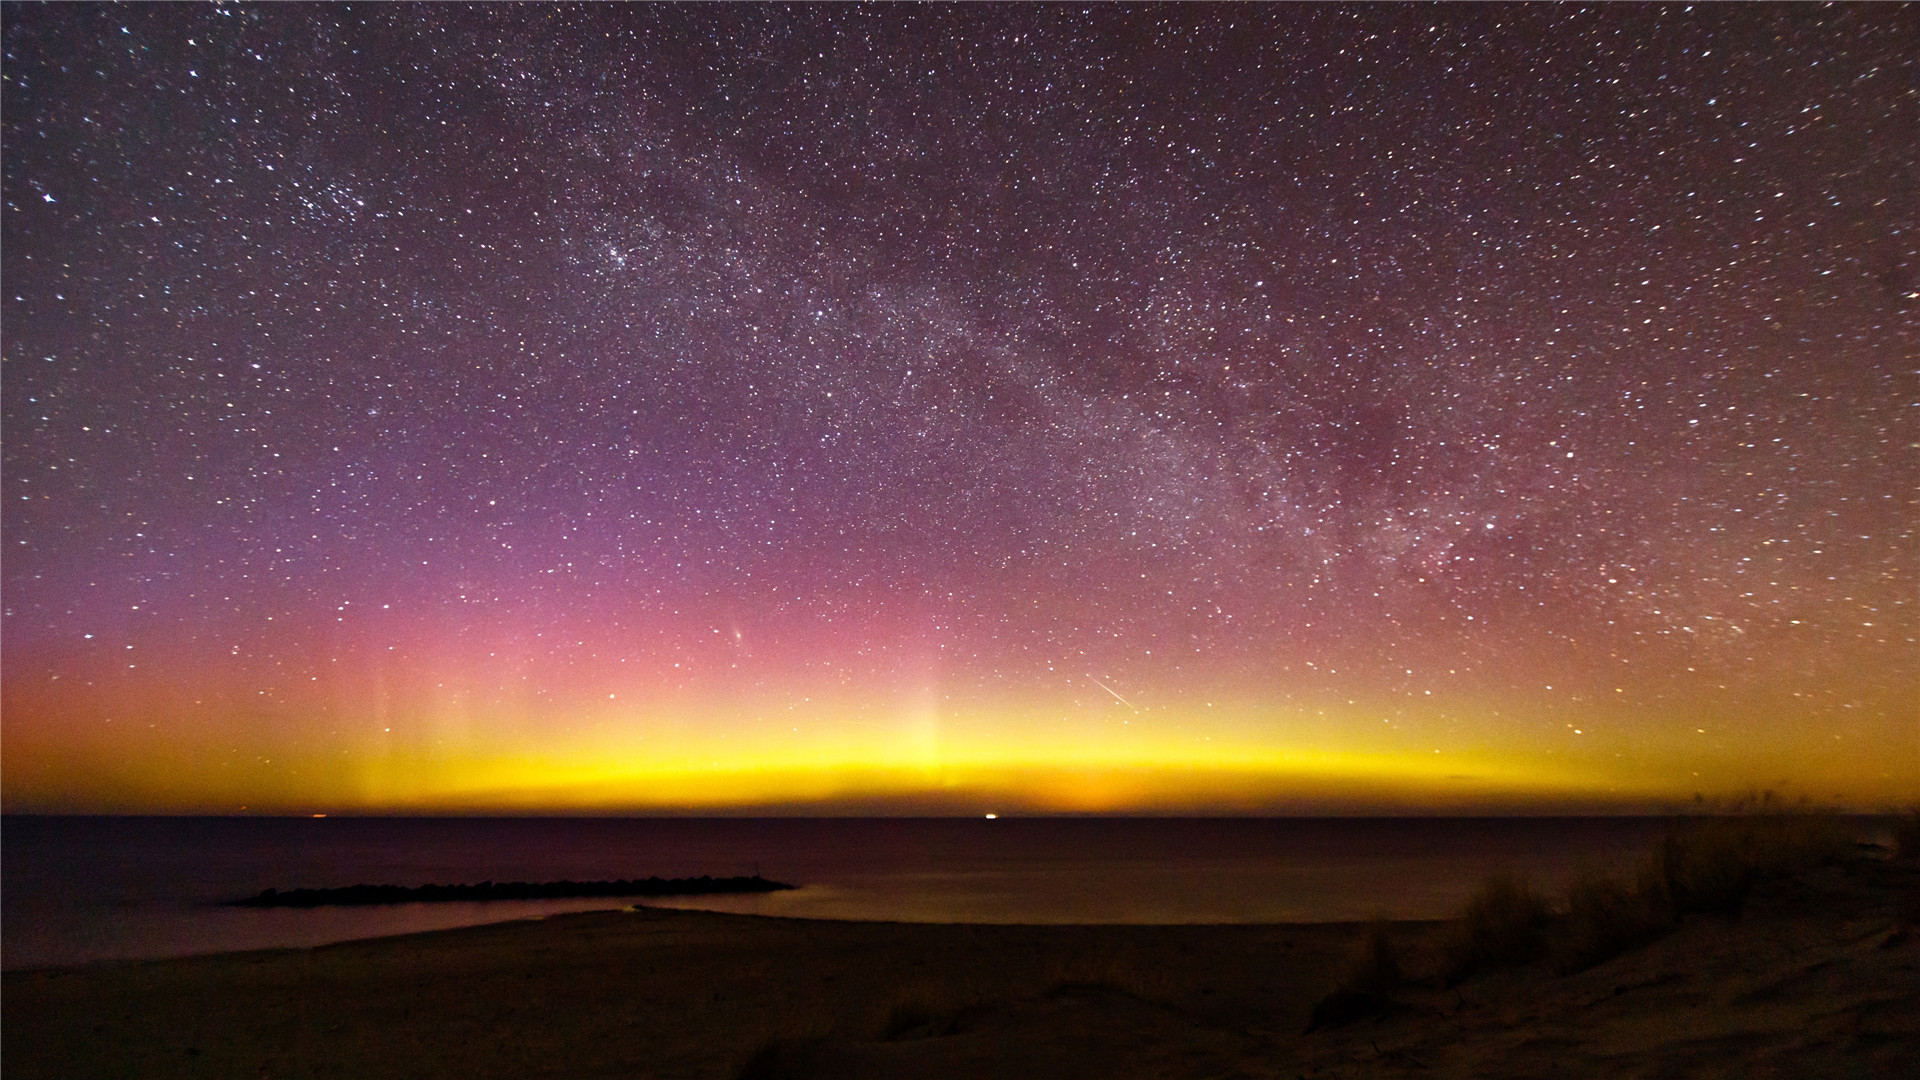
column 640, row 904
column 67, row 877
column 1819, row 974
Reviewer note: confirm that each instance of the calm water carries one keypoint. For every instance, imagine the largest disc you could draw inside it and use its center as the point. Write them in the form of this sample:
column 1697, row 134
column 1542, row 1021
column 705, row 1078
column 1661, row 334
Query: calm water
column 74, row 890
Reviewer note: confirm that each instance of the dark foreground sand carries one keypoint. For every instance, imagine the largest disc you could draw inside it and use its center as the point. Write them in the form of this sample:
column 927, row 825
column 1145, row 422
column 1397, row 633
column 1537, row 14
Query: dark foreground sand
column 1819, row 976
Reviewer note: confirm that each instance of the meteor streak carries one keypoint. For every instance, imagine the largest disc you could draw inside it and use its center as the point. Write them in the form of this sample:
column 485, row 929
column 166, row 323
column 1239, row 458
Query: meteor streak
column 1115, row 693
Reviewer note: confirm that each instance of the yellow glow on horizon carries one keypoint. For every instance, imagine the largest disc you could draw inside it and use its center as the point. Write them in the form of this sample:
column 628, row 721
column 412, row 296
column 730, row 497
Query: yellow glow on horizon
column 912, row 749
column 905, row 754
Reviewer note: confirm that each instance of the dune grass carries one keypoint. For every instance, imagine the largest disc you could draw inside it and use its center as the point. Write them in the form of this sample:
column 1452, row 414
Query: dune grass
column 1606, row 916
column 1706, row 865
column 1710, row 864
column 1375, row 968
column 1504, row 924
column 1906, row 834
column 1371, row 975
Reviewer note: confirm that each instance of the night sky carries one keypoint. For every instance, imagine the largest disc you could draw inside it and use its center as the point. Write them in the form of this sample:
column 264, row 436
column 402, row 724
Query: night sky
column 920, row 409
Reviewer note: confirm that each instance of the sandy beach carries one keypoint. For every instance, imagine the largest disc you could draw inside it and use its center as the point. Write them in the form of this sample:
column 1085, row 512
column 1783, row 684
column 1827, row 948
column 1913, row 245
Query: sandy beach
column 1818, row 975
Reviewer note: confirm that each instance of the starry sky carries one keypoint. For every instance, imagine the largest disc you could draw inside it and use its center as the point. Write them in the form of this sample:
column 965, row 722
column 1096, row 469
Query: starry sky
column 1218, row 409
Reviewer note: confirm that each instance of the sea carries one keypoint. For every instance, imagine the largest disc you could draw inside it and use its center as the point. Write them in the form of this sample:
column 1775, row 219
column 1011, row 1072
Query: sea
column 81, row 890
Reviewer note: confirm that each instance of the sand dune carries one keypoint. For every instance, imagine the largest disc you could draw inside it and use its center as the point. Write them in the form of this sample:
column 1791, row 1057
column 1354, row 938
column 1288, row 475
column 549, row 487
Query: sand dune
column 1819, row 975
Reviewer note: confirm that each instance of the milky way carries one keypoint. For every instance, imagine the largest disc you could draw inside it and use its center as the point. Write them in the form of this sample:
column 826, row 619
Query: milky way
column 1109, row 408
